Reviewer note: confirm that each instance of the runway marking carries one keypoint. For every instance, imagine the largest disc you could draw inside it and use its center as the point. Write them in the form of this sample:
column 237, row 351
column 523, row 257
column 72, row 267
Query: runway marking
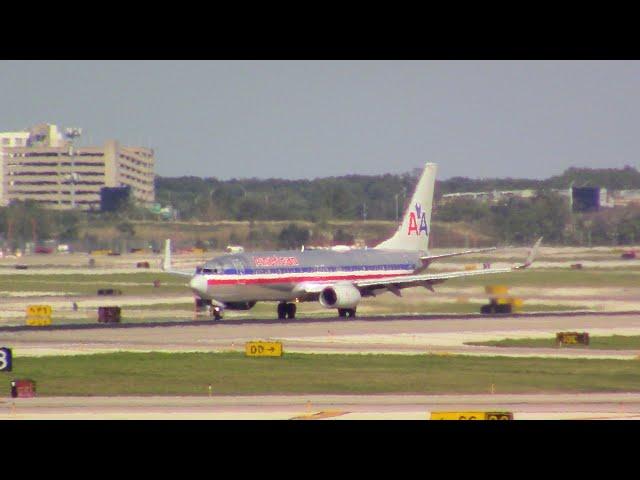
column 320, row 415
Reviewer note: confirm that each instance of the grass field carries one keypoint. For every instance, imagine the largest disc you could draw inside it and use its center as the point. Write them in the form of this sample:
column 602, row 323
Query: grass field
column 88, row 284
column 547, row 259
column 556, row 278
column 141, row 283
column 613, row 342
column 234, row 374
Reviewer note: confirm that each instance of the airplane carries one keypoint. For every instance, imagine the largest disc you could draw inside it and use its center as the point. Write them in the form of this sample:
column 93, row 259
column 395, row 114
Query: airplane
column 339, row 278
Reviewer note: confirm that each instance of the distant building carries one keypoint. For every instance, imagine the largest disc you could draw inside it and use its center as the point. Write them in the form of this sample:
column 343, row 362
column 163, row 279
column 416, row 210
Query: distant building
column 585, row 199
column 449, row 197
column 494, row 196
column 40, row 164
column 624, row 198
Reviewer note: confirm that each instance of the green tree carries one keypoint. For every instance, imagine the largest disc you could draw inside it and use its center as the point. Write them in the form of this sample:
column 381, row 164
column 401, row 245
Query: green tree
column 126, row 228
column 343, row 238
column 293, row 237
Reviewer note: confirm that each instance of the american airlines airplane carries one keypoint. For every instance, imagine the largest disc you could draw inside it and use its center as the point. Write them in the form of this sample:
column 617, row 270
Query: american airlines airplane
column 337, row 278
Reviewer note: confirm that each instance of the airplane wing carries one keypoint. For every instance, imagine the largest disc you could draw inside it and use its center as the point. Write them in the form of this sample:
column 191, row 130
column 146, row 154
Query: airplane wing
column 428, row 279
column 395, row 283
column 431, row 258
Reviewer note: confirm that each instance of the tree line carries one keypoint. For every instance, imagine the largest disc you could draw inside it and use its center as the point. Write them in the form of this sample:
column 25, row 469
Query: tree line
column 352, row 198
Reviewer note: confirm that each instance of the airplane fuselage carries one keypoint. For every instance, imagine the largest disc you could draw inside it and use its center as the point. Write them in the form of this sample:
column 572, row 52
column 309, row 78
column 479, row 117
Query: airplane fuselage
column 278, row 275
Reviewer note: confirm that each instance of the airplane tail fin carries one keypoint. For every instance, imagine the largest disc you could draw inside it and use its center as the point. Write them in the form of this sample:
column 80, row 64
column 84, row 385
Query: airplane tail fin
column 413, row 233
column 532, row 255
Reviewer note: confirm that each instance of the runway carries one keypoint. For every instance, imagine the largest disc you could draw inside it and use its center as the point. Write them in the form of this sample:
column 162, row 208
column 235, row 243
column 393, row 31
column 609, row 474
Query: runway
column 435, row 334
column 618, row 406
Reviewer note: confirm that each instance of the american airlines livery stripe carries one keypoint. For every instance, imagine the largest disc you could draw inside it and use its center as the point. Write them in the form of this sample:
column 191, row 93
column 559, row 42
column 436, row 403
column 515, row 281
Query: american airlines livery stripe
column 248, row 279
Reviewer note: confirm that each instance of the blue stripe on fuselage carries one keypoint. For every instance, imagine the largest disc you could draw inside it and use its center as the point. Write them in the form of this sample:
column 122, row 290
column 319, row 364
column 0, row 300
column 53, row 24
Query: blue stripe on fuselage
column 349, row 268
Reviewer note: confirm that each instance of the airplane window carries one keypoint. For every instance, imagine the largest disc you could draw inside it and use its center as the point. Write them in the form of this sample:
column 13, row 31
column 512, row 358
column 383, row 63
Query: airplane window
column 206, row 270
column 198, row 270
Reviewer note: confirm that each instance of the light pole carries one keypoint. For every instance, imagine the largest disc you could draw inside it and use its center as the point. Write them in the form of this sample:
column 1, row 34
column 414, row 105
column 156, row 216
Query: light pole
column 72, row 133
column 404, row 194
column 396, row 195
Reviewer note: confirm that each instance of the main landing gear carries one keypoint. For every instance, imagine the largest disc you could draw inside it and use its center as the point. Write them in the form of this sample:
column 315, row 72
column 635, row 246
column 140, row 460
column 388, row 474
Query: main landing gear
column 286, row 310
column 347, row 312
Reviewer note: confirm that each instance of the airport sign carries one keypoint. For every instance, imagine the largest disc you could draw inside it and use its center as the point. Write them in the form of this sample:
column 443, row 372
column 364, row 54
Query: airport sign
column 39, row 311
column 471, row 416
column 6, row 359
column 263, row 349
column 572, row 338
column 39, row 315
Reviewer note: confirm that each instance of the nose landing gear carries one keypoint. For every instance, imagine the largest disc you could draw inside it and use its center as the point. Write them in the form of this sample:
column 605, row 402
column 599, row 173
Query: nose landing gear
column 206, row 307
column 216, row 312
column 286, row 310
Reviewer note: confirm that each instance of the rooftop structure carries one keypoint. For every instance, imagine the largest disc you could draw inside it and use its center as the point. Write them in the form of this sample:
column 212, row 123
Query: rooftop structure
column 43, row 165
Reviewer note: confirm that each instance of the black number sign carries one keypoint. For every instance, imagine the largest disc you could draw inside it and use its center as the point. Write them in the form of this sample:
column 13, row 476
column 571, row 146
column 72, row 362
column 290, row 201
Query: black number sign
column 6, row 359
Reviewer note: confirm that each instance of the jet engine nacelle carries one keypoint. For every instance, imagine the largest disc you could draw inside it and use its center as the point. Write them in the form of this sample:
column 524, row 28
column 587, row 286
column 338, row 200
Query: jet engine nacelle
column 340, row 296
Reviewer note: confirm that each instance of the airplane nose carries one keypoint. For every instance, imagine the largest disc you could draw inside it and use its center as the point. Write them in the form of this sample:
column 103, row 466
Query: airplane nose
column 198, row 284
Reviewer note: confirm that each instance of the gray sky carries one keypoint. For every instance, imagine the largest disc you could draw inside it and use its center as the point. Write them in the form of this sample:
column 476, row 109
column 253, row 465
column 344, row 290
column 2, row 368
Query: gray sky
column 307, row 119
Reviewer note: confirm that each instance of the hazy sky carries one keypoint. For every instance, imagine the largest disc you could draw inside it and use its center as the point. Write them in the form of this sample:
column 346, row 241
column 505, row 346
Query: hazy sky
column 306, row 119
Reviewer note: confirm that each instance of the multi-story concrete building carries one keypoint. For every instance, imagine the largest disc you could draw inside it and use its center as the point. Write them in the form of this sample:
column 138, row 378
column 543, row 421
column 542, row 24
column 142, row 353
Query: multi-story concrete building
column 41, row 165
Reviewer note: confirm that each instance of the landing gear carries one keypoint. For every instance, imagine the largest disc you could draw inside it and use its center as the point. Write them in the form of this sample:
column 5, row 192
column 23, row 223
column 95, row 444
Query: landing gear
column 206, row 307
column 286, row 310
column 347, row 312
column 216, row 312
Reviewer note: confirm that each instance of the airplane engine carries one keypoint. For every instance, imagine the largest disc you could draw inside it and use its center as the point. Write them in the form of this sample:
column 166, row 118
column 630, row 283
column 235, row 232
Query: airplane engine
column 340, row 296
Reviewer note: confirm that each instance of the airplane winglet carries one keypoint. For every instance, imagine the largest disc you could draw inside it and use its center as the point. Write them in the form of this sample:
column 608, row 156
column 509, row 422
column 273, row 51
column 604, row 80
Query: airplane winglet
column 532, row 255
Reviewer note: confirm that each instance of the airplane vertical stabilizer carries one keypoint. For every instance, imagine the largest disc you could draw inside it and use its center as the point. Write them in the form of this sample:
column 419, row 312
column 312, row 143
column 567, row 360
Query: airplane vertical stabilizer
column 413, row 233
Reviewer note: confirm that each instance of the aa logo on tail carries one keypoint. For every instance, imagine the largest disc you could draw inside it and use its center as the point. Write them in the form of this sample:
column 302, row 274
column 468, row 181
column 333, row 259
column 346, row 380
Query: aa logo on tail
column 414, row 218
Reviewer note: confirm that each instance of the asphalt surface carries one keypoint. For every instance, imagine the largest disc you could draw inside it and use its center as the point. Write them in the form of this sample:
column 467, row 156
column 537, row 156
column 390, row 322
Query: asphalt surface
column 616, row 406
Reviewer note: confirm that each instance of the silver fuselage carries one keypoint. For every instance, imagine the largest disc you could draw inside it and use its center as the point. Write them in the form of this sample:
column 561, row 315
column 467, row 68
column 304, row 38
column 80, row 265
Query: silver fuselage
column 277, row 275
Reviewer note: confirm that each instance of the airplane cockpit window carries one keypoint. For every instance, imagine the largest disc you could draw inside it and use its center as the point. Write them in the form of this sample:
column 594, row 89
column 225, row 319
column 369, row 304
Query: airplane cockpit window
column 198, row 270
column 212, row 268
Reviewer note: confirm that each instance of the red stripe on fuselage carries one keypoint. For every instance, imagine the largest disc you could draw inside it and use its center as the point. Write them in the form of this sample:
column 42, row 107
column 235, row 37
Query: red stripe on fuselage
column 248, row 280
